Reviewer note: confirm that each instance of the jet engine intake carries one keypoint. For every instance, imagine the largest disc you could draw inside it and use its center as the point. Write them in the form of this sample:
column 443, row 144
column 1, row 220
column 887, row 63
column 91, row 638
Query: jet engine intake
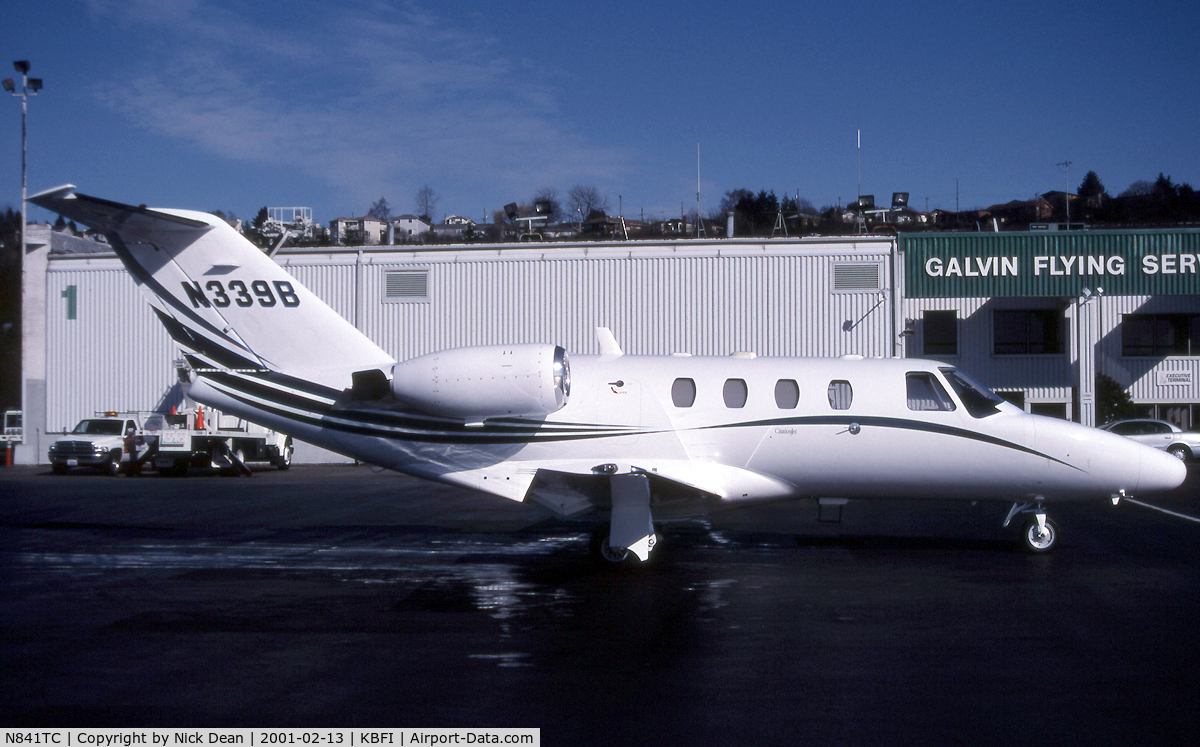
column 485, row 381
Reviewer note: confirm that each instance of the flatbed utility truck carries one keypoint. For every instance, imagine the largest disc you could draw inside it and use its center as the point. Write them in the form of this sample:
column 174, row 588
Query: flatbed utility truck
column 199, row 438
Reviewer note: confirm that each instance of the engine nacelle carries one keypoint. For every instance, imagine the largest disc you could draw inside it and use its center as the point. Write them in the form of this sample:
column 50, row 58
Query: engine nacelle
column 486, row 381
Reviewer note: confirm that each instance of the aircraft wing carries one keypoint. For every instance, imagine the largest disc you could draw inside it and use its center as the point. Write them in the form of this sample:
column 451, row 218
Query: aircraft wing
column 718, row 480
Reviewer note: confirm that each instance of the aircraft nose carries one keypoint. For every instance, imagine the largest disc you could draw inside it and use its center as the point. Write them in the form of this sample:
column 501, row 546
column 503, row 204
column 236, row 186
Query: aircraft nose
column 1160, row 472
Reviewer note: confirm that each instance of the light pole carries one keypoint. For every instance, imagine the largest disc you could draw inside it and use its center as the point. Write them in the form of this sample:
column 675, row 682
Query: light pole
column 29, row 87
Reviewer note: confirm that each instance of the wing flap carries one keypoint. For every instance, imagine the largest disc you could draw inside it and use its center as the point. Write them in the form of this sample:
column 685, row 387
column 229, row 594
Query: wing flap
column 720, row 480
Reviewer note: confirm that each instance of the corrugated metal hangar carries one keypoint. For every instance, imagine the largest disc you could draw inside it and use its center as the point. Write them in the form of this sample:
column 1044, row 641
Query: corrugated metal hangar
column 1038, row 316
column 1034, row 315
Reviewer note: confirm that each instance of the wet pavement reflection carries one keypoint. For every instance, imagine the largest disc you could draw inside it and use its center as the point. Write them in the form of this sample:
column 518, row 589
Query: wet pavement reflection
column 338, row 597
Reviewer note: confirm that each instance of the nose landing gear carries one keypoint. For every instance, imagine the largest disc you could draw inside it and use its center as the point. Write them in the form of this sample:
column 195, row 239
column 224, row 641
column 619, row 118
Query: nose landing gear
column 1040, row 534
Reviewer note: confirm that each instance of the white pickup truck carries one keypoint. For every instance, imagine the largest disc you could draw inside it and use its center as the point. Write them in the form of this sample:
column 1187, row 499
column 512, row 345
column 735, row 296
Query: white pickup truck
column 102, row 442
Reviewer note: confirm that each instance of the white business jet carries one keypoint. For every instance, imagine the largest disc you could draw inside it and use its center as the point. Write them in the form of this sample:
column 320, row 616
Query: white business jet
column 646, row 438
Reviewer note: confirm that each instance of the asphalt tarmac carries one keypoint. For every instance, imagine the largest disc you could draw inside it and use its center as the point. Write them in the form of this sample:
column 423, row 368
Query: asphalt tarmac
column 342, row 597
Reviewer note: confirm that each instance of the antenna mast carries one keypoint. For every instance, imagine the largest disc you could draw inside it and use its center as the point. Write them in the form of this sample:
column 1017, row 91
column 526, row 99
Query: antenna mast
column 1067, row 191
column 700, row 221
column 862, row 218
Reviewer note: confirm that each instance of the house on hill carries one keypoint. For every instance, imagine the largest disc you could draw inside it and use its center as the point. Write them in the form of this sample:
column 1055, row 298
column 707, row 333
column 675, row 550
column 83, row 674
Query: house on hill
column 1021, row 212
column 455, row 228
column 356, row 231
column 408, row 229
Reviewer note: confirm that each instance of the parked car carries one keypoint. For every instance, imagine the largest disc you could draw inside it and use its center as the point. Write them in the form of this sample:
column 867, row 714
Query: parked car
column 1160, row 434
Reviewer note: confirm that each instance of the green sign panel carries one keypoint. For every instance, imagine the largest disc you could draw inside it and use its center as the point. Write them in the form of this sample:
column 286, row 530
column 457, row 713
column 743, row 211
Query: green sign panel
column 986, row 265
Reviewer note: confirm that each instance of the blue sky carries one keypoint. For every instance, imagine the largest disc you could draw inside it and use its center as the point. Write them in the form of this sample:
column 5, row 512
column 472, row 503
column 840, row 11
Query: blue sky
column 238, row 104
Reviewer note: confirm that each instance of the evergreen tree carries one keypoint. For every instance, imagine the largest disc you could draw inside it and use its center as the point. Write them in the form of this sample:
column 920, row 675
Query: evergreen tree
column 1113, row 402
column 1091, row 186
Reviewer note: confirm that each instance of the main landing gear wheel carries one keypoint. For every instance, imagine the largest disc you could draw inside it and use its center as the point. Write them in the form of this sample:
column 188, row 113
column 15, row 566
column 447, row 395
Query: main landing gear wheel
column 601, row 550
column 1037, row 540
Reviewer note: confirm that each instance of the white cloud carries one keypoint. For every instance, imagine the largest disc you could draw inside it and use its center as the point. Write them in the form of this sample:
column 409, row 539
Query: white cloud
column 371, row 99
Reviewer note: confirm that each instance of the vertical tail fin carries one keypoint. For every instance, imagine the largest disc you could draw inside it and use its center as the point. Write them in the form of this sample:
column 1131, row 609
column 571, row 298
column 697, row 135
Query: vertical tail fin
column 220, row 296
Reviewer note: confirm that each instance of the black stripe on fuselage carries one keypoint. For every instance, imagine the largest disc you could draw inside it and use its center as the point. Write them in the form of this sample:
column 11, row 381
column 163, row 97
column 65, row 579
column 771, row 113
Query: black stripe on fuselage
column 143, row 276
column 217, row 353
column 415, row 430
column 266, row 386
column 923, row 426
column 264, row 394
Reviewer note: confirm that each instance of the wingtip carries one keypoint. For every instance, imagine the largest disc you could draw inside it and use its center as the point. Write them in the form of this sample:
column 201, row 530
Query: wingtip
column 51, row 195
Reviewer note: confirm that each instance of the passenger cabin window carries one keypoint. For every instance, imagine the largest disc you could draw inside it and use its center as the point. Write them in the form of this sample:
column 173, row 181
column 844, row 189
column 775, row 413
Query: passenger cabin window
column 683, row 392
column 840, row 395
column 787, row 394
column 926, row 393
column 734, row 393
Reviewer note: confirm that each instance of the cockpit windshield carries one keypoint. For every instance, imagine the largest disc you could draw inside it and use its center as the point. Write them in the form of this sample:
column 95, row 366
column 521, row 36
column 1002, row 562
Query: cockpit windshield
column 977, row 398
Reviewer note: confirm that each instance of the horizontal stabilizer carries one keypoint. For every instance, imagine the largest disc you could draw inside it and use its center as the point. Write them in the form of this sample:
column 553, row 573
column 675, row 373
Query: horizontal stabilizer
column 112, row 217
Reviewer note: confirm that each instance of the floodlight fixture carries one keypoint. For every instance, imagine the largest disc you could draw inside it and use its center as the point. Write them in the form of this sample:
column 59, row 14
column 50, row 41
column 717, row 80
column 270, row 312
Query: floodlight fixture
column 21, row 66
column 9, row 85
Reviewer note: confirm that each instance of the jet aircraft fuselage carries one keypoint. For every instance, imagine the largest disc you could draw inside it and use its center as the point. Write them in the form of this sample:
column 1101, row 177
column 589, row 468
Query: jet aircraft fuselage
column 648, row 438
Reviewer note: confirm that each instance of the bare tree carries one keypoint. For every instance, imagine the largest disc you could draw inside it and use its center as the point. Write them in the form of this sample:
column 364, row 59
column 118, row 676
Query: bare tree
column 584, row 200
column 427, row 201
column 380, row 210
column 1140, row 188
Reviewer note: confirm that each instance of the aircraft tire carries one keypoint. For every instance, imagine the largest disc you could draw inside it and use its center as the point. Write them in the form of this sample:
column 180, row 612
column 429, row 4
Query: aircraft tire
column 1034, row 543
column 600, row 550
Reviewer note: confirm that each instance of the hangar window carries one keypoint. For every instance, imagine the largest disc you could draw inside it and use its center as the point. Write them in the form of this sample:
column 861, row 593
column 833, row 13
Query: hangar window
column 683, row 392
column 925, row 393
column 940, row 330
column 840, row 395
column 1160, row 334
column 856, row 277
column 406, row 285
column 787, row 394
column 1027, row 332
column 734, row 393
